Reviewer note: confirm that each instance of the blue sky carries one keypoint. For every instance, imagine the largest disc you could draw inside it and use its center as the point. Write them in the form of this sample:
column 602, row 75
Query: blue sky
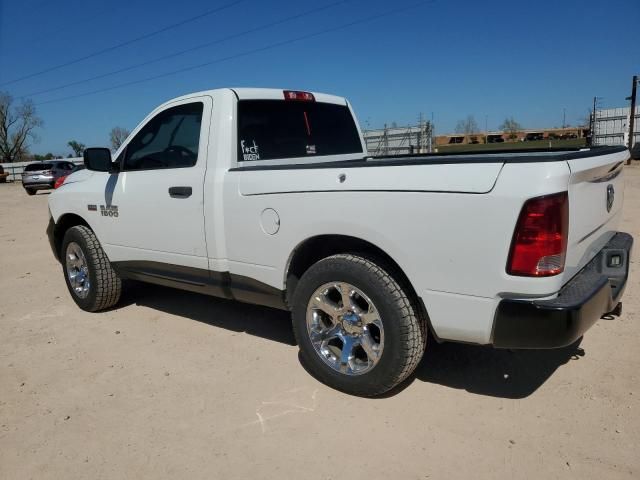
column 490, row 59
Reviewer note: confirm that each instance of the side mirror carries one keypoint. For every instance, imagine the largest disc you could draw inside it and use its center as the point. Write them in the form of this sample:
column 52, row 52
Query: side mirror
column 98, row 159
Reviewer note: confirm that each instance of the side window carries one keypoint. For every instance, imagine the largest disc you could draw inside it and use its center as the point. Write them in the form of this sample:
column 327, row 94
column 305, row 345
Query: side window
column 168, row 140
column 273, row 129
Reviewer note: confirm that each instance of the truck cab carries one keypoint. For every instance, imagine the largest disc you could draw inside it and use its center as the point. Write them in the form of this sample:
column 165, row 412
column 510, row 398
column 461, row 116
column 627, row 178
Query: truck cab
column 185, row 148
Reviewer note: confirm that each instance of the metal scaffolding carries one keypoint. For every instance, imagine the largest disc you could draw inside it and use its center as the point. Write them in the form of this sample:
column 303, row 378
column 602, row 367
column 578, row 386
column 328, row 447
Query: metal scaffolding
column 412, row 139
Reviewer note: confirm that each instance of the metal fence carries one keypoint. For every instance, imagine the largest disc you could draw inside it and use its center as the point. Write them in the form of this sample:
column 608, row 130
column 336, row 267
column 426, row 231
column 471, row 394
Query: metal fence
column 400, row 140
column 15, row 169
column 612, row 126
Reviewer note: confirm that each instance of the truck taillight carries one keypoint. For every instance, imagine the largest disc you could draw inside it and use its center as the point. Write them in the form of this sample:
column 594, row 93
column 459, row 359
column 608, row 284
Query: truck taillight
column 539, row 242
column 59, row 182
column 299, row 96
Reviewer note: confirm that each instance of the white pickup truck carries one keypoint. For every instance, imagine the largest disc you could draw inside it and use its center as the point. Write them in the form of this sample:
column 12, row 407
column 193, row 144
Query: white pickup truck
column 269, row 197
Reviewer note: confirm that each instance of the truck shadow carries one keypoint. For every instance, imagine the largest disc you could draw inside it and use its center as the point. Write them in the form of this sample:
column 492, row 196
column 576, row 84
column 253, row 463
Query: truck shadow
column 493, row 372
column 264, row 322
column 477, row 369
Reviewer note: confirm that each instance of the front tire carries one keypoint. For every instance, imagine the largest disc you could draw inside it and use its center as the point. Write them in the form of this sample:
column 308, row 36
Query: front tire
column 93, row 283
column 358, row 329
column 30, row 191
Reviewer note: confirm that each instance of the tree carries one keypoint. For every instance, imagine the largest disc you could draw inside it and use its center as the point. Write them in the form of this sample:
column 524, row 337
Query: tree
column 118, row 135
column 77, row 147
column 511, row 127
column 467, row 126
column 17, row 127
column 585, row 120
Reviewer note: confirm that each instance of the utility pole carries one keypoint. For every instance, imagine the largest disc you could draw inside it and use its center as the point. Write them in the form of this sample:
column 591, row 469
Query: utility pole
column 564, row 118
column 592, row 122
column 432, row 132
column 422, row 141
column 632, row 114
column 486, row 129
column 385, row 140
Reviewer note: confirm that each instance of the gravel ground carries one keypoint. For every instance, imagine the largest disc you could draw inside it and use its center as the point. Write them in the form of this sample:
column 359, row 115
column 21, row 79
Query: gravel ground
column 177, row 385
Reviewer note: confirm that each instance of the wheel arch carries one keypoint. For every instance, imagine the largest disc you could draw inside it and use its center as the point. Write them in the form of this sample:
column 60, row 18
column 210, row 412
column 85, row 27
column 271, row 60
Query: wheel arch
column 64, row 223
column 314, row 249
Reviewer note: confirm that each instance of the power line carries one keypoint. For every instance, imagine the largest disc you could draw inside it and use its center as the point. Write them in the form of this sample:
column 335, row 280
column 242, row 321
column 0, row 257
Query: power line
column 191, row 49
column 243, row 54
column 125, row 43
column 109, row 8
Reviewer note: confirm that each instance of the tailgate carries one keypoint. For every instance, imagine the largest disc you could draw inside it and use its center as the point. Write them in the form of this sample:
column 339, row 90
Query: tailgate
column 596, row 194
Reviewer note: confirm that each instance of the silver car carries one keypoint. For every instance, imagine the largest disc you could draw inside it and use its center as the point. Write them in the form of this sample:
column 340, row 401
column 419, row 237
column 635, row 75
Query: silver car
column 43, row 175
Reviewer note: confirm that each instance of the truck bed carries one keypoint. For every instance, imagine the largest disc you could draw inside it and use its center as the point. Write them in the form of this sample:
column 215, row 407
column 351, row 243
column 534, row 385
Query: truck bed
column 532, row 155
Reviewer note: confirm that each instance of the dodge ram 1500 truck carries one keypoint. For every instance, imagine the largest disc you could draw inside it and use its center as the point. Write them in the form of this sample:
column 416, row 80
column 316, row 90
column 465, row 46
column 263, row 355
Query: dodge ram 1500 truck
column 268, row 196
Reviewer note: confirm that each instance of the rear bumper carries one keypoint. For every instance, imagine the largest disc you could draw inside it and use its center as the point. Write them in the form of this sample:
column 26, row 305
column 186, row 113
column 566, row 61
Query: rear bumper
column 591, row 294
column 42, row 182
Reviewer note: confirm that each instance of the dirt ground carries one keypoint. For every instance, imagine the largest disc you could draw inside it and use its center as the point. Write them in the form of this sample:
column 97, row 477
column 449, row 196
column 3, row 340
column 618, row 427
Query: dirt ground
column 178, row 385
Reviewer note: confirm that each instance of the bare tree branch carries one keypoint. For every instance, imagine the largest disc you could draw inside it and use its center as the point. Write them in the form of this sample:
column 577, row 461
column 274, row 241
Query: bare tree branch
column 511, row 127
column 17, row 127
column 467, row 126
column 118, row 135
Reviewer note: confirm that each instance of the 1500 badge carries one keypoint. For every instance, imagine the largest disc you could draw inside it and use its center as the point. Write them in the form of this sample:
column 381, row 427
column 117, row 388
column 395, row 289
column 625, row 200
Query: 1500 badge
column 109, row 211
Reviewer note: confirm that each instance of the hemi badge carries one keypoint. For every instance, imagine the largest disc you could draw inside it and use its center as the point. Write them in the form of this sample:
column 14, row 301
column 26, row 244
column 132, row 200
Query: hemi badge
column 92, row 208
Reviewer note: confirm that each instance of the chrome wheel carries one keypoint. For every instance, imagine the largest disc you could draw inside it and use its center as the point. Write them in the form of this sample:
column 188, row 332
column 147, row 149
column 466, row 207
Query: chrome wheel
column 345, row 328
column 77, row 270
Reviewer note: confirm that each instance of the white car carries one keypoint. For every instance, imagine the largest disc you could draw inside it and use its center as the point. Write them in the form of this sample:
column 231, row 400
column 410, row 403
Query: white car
column 268, row 196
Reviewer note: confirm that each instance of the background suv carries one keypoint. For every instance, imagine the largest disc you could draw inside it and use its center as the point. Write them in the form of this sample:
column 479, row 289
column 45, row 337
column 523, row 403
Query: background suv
column 43, row 175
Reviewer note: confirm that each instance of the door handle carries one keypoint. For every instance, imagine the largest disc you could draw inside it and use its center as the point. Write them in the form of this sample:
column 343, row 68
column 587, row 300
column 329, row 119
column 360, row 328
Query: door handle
column 180, row 192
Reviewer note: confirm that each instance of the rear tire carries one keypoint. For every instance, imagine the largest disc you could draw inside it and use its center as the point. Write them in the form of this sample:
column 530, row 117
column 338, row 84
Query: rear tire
column 30, row 191
column 93, row 283
column 384, row 352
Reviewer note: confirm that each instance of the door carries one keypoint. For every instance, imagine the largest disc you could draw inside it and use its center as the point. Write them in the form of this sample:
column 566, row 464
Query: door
column 155, row 203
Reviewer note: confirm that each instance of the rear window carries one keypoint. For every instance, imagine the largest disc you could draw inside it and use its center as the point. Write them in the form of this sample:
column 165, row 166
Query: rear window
column 273, row 129
column 38, row 166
